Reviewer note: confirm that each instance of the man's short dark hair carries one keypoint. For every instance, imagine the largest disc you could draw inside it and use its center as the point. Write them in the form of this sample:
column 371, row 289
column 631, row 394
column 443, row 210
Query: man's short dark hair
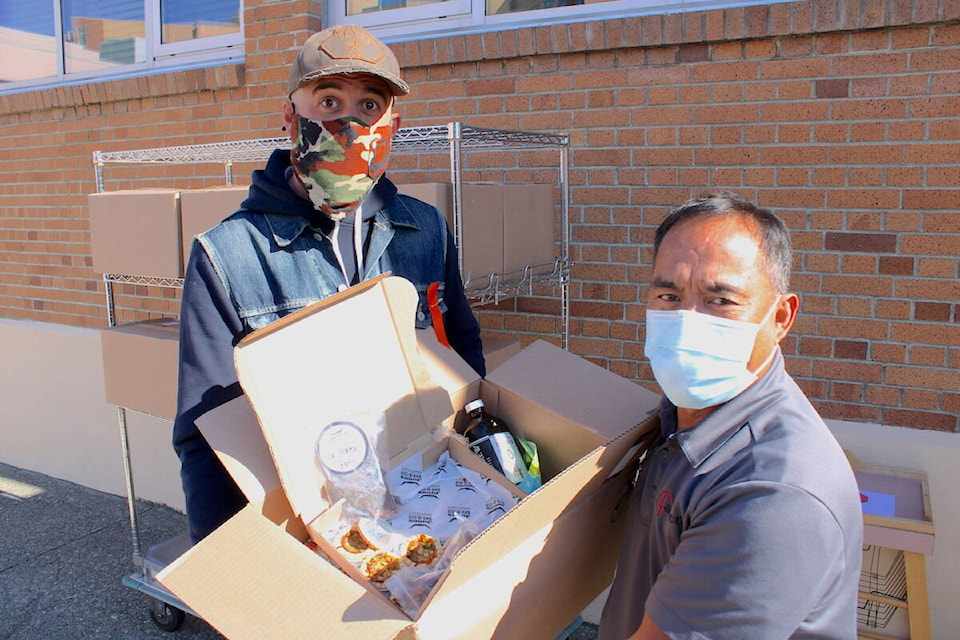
column 773, row 233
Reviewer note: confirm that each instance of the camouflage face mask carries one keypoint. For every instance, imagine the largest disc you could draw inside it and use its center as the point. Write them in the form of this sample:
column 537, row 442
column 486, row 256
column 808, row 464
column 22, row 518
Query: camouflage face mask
column 339, row 161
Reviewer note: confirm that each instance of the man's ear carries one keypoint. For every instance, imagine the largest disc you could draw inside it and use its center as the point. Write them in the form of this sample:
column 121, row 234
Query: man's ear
column 786, row 314
column 395, row 117
column 288, row 115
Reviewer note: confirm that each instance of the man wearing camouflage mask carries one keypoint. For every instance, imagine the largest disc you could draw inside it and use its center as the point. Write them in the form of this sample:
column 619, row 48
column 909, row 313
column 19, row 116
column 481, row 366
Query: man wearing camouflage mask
column 320, row 217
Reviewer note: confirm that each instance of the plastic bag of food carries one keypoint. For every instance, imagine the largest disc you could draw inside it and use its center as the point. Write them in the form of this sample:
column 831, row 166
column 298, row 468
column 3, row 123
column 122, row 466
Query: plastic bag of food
column 410, row 587
column 349, row 455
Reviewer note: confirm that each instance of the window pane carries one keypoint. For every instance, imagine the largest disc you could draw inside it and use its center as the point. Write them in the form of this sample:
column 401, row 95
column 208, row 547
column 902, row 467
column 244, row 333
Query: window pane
column 98, row 34
column 28, row 44
column 357, row 7
column 192, row 19
column 495, row 7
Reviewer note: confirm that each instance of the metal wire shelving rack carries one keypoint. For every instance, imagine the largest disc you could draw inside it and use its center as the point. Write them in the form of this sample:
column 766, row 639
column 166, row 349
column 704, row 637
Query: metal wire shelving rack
column 454, row 138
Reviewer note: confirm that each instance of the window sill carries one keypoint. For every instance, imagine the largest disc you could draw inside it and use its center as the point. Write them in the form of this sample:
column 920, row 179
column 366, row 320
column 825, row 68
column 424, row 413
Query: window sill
column 151, row 85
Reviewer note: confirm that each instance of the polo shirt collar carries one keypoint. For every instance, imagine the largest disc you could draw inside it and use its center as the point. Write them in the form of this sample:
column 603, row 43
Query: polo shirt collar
column 701, row 441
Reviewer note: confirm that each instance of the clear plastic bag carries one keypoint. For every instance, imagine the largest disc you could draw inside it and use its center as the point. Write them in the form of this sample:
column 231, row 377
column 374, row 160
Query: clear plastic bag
column 349, row 455
column 410, row 587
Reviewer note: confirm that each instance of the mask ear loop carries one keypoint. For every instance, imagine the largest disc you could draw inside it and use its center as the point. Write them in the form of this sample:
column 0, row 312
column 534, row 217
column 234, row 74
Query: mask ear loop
column 773, row 352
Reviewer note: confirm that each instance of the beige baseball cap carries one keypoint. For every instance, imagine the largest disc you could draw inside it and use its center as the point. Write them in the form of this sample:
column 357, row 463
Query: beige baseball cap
column 346, row 49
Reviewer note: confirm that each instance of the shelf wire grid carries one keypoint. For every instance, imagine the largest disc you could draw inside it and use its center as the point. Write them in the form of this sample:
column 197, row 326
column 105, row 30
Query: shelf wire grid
column 884, row 575
column 453, row 137
column 432, row 139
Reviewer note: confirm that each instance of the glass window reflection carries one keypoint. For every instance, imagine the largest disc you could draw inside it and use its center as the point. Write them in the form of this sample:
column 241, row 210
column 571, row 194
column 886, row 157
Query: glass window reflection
column 495, row 7
column 357, row 7
column 192, row 19
column 28, row 47
column 98, row 34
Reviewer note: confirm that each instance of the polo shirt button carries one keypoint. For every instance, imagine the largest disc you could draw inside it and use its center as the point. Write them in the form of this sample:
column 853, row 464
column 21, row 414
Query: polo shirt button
column 342, row 287
column 420, row 315
column 318, row 237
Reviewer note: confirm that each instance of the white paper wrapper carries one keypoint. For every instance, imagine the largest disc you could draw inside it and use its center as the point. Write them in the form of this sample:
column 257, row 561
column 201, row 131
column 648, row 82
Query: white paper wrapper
column 436, row 500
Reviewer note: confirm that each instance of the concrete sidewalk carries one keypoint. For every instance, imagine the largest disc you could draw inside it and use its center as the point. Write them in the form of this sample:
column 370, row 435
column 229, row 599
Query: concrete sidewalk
column 64, row 551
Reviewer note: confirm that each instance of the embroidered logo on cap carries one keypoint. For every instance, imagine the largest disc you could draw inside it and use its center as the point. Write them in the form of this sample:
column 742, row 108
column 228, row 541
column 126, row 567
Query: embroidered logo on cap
column 352, row 43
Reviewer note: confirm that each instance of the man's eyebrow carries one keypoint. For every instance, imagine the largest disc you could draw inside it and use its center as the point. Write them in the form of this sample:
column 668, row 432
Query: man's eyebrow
column 377, row 89
column 724, row 287
column 328, row 83
column 663, row 283
column 718, row 287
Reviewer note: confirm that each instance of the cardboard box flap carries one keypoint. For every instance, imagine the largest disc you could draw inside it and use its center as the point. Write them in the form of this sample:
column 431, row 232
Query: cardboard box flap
column 322, row 351
column 588, row 405
column 542, row 599
column 576, row 389
column 248, row 560
column 234, row 434
column 573, row 511
column 449, row 370
column 573, row 484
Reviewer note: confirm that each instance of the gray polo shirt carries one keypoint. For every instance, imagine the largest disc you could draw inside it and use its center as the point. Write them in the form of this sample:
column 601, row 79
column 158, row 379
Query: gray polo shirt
column 747, row 526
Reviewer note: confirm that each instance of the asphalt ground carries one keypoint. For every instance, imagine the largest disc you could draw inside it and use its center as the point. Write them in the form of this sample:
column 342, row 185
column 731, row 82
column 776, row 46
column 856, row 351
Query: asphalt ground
column 65, row 551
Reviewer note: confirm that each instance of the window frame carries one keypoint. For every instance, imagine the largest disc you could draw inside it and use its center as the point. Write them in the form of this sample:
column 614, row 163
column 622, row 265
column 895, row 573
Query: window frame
column 405, row 24
column 160, row 57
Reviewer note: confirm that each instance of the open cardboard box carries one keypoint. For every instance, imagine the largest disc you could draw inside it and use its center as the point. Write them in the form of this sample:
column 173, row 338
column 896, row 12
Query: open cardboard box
column 526, row 576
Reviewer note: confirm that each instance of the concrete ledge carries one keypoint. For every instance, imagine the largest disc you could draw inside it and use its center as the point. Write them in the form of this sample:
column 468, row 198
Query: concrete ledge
column 54, row 418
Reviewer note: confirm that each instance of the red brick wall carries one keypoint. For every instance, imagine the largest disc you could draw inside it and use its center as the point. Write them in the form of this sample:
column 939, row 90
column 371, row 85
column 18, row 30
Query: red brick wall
column 843, row 121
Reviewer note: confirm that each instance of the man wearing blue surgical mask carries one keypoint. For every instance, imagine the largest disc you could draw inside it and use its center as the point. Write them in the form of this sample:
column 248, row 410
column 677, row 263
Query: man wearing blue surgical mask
column 745, row 522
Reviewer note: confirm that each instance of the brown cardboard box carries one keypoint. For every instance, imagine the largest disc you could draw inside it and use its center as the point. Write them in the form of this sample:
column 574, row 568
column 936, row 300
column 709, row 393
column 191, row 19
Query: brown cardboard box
column 528, row 224
column 481, row 223
column 453, row 374
column 140, row 363
column 497, row 350
column 505, row 226
column 202, row 209
column 136, row 232
column 526, row 576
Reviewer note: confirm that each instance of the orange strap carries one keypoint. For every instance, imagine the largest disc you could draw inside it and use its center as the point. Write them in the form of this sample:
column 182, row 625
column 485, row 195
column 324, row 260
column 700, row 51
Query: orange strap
column 433, row 301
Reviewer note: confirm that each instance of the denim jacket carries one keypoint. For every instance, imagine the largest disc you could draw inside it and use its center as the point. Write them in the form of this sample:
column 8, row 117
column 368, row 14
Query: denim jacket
column 271, row 265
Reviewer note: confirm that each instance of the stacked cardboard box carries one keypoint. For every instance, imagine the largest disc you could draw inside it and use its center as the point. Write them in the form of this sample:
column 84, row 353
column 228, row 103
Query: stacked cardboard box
column 504, row 227
column 148, row 232
column 202, row 209
column 140, row 362
column 136, row 232
column 526, row 576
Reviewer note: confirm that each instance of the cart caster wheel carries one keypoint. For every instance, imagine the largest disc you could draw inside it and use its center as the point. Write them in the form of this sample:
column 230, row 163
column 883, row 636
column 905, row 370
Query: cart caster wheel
column 165, row 616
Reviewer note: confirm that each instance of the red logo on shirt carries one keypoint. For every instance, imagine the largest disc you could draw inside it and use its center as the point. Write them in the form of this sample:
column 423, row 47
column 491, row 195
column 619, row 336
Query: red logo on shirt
column 664, row 500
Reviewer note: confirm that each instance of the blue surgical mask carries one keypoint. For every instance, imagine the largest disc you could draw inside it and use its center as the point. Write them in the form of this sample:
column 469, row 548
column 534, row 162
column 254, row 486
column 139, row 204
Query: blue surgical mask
column 700, row 360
